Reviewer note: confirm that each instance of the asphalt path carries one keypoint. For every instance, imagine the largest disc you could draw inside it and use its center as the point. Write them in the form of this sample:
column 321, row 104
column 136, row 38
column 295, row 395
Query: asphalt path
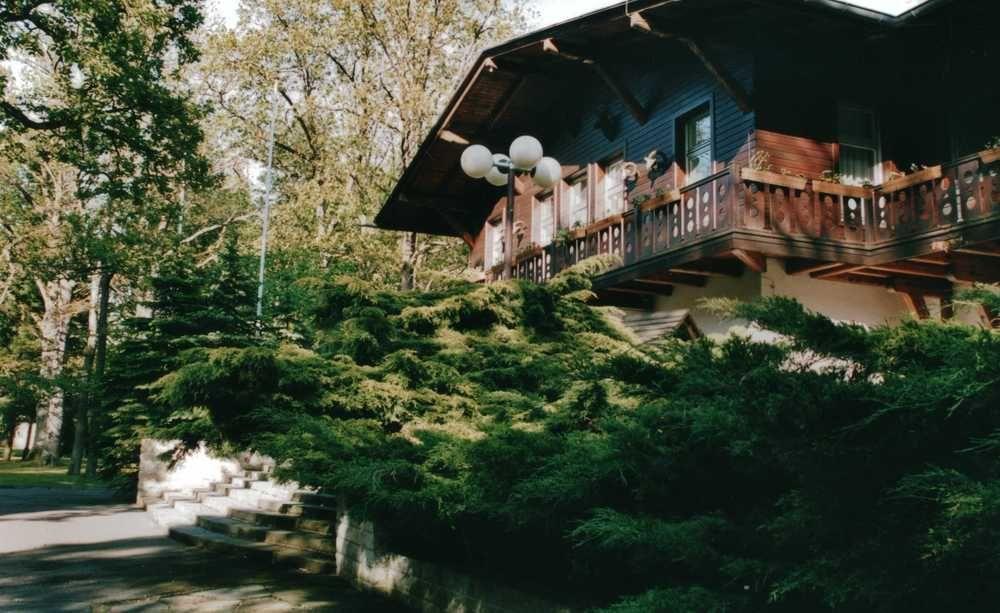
column 78, row 550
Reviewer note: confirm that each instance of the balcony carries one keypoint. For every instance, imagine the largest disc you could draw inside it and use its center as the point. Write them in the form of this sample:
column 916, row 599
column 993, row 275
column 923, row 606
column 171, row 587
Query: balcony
column 771, row 214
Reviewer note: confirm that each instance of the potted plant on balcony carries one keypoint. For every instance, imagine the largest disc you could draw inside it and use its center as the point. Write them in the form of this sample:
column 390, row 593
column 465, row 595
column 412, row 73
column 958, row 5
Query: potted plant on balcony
column 760, row 171
column 916, row 176
column 528, row 251
column 564, row 237
column 992, row 152
column 832, row 182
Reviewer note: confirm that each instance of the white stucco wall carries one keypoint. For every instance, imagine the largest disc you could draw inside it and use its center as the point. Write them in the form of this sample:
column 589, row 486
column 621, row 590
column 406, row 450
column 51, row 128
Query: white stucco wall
column 863, row 304
column 746, row 287
column 846, row 302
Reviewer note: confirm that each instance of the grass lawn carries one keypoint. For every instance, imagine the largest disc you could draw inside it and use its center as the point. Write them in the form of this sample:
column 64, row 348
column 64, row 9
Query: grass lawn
column 27, row 474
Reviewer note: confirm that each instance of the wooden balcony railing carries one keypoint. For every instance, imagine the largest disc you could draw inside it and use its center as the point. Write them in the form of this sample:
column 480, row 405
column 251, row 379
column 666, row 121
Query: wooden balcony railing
column 767, row 203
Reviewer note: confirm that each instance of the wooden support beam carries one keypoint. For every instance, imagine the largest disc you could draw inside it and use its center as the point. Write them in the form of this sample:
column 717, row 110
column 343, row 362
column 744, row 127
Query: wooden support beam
column 799, row 266
column 842, row 269
column 947, row 306
column 985, row 252
column 989, row 317
column 613, row 81
column 915, row 304
column 751, row 259
column 638, row 21
column 641, row 23
column 625, row 300
column 711, row 268
column 915, row 269
column 505, row 102
column 672, row 277
column 452, row 137
column 728, row 84
column 455, row 225
column 640, row 287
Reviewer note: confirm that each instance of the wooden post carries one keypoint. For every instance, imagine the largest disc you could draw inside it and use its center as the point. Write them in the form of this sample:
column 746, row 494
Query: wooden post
column 508, row 226
column 916, row 304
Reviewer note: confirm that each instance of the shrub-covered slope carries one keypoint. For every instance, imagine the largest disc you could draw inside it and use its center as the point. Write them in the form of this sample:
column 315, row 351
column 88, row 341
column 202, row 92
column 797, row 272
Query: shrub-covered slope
column 515, row 430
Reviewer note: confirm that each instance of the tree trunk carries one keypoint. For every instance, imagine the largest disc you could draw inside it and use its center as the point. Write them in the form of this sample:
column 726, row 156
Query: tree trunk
column 100, row 360
column 9, row 452
column 53, row 330
column 27, row 442
column 409, row 253
column 80, row 415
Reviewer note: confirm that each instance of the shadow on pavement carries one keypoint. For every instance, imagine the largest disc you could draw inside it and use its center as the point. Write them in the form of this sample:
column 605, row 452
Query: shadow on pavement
column 156, row 574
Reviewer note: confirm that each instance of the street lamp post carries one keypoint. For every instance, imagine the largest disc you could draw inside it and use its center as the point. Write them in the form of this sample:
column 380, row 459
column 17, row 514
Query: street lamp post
column 525, row 158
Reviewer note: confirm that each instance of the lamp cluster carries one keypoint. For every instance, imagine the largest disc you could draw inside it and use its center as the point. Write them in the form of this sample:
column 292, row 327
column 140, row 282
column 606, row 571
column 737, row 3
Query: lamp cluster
column 525, row 157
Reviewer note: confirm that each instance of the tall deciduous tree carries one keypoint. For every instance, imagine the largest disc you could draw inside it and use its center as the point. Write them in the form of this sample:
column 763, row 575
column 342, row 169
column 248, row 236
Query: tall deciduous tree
column 93, row 134
column 358, row 85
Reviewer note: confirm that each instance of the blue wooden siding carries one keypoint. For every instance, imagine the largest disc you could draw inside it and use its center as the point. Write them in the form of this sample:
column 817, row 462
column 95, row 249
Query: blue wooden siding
column 675, row 82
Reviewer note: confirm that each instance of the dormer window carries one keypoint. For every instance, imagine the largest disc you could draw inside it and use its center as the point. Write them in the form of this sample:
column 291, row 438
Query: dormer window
column 697, row 135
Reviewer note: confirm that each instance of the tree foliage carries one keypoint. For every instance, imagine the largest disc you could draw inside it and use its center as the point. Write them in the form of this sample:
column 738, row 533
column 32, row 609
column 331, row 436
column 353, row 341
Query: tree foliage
column 840, row 468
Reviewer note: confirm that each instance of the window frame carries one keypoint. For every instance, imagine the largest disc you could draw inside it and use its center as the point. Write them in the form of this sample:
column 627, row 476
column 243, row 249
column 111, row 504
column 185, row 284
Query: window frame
column 687, row 118
column 492, row 258
column 874, row 146
column 615, row 160
column 545, row 199
column 580, row 180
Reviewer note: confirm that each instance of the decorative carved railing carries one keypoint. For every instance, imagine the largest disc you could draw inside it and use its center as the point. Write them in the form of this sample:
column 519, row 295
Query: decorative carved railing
column 766, row 202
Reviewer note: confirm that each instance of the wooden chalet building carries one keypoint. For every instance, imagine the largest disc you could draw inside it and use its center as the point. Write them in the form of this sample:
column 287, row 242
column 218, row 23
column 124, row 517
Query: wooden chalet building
column 738, row 148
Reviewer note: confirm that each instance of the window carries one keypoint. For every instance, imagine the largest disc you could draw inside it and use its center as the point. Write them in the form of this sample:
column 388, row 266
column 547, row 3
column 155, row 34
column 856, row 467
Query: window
column 542, row 221
column 494, row 244
column 697, row 134
column 578, row 203
column 614, row 187
column 860, row 155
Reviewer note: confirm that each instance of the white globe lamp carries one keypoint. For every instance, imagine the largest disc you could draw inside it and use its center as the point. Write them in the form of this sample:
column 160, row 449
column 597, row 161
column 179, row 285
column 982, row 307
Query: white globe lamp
column 548, row 172
column 477, row 161
column 495, row 176
column 525, row 152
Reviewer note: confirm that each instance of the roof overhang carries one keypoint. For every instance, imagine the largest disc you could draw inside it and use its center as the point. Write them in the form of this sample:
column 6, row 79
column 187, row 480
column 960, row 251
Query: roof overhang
column 522, row 87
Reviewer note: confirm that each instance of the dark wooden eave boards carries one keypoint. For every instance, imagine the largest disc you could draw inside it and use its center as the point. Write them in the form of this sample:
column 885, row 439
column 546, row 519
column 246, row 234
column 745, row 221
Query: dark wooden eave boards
column 515, row 88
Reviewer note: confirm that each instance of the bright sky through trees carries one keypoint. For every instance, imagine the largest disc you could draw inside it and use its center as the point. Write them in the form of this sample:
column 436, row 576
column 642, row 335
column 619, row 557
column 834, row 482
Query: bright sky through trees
column 549, row 11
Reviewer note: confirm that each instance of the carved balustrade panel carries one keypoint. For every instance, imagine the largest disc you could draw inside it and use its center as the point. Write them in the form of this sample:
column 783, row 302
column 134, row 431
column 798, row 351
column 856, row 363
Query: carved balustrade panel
column 782, row 211
column 831, row 225
column 882, row 224
column 725, row 197
column 581, row 249
column 647, row 231
column 754, row 206
column 662, row 240
column 616, row 239
column 629, row 236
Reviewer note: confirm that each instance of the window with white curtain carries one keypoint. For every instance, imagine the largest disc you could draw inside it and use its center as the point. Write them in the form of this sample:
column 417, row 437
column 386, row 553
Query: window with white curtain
column 494, row 244
column 614, row 187
column 577, row 198
column 860, row 150
column 543, row 221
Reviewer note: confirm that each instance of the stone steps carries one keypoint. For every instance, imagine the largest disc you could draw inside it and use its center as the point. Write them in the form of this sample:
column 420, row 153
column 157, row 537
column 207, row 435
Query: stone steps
column 250, row 515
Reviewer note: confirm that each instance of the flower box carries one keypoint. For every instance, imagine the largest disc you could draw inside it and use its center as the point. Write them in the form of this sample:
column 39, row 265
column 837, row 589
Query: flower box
column 657, row 201
column 916, row 178
column 838, row 189
column 989, row 156
column 773, row 178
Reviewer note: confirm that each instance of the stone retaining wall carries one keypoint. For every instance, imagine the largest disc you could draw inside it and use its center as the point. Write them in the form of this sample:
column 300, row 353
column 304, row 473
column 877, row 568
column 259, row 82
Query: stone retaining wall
column 360, row 559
